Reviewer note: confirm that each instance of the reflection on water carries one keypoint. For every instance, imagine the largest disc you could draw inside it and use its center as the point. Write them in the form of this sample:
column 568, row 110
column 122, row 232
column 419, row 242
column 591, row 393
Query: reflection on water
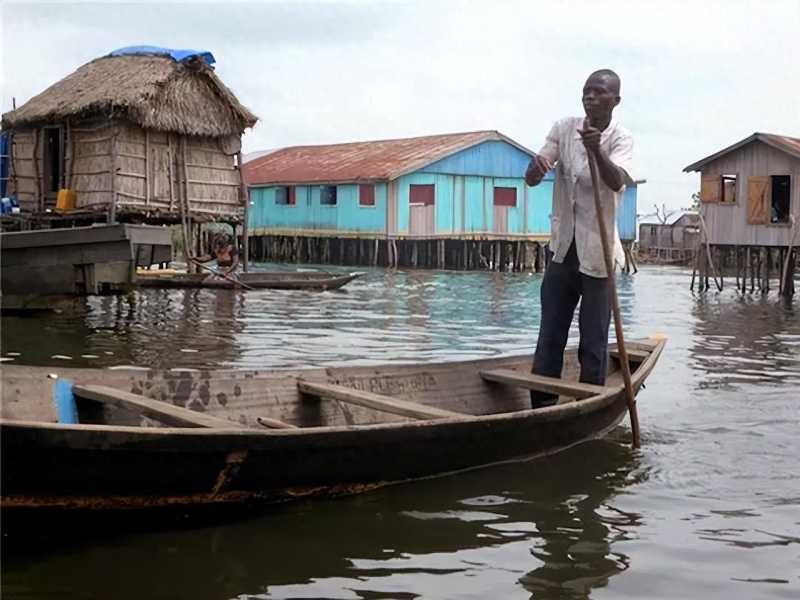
column 577, row 532
column 551, row 525
column 708, row 508
column 746, row 339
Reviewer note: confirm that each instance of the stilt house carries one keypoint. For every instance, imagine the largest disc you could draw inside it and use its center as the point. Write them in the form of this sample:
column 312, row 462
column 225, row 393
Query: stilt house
column 673, row 240
column 750, row 191
column 144, row 132
column 437, row 190
column 750, row 210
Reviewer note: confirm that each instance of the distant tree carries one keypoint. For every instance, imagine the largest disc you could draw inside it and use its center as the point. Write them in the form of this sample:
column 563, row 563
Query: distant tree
column 662, row 214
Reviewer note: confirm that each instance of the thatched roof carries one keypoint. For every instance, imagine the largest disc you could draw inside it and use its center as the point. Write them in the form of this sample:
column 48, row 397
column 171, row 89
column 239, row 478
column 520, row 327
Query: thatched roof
column 154, row 92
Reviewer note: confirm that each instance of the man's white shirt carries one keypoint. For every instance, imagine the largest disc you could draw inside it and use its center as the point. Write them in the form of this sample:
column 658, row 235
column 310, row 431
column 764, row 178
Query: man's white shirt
column 573, row 198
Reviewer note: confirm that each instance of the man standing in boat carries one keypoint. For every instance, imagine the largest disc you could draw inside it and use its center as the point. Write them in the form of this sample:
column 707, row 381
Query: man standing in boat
column 577, row 270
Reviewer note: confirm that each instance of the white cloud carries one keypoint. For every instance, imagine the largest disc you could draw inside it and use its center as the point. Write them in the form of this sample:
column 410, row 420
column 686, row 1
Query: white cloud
column 696, row 76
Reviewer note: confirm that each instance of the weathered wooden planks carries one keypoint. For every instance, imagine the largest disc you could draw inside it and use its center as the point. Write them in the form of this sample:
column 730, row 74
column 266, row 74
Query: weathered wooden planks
column 543, row 384
column 634, row 355
column 168, row 414
column 375, row 401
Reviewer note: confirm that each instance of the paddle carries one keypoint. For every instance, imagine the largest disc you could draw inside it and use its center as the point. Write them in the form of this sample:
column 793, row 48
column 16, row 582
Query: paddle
column 227, row 276
column 612, row 290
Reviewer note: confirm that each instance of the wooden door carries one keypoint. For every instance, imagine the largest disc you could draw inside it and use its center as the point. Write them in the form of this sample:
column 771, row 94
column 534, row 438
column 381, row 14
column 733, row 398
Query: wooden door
column 159, row 176
column 422, row 210
column 503, row 199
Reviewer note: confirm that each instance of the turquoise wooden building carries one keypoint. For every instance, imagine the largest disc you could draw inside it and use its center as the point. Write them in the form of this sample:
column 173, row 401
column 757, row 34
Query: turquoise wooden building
column 456, row 200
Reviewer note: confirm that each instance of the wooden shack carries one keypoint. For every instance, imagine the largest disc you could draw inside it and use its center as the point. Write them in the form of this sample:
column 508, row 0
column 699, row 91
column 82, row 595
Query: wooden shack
column 673, row 240
column 143, row 134
column 750, row 209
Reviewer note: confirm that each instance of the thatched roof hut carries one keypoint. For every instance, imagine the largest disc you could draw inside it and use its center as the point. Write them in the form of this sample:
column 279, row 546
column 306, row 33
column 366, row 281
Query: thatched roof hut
column 143, row 130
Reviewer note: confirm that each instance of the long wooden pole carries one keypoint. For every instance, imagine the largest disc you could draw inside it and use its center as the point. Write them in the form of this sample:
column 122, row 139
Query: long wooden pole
column 787, row 288
column 112, row 213
column 227, row 276
column 37, row 133
column 186, row 220
column 245, row 197
column 612, row 292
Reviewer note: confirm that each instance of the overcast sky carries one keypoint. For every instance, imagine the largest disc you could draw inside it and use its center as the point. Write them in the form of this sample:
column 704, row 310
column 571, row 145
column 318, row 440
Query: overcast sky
column 696, row 76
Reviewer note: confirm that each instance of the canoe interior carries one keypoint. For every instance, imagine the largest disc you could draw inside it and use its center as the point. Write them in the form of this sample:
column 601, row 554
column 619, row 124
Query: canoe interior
column 207, row 445
column 266, row 280
column 245, row 397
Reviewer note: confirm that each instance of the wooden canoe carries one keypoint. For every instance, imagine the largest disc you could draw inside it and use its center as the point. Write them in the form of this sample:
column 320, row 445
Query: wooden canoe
column 183, row 438
column 277, row 280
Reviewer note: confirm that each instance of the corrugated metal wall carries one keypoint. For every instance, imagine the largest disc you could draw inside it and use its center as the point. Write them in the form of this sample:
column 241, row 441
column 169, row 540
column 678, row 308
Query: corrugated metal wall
column 308, row 213
column 490, row 159
column 465, row 204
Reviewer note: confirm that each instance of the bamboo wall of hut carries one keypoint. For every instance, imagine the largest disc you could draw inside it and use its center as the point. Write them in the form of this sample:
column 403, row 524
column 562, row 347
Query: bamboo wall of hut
column 127, row 168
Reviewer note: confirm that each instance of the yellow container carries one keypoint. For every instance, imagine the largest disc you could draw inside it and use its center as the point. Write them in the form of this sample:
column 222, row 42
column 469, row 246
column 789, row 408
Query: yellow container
column 65, row 199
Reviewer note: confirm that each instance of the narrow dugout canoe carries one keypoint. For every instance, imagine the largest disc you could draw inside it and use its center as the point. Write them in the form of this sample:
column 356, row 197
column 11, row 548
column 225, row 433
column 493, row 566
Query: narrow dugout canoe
column 149, row 439
column 277, row 280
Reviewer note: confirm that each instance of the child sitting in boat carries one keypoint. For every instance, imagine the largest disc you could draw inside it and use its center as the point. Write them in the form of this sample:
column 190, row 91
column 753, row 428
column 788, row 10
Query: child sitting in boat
column 224, row 252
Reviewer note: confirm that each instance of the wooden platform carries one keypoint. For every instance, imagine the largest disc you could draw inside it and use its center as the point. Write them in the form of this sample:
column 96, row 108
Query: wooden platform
column 80, row 260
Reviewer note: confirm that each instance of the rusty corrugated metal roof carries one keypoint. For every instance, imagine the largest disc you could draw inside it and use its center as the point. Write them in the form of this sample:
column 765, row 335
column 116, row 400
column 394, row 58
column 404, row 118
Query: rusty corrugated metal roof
column 381, row 160
column 790, row 145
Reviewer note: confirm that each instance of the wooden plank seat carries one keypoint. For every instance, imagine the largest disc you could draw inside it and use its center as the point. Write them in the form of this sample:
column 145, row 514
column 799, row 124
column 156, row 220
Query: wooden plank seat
column 375, row 401
column 169, row 414
column 634, row 355
column 540, row 383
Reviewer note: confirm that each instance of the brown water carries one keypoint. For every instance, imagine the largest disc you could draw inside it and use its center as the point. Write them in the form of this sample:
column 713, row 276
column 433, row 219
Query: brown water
column 708, row 508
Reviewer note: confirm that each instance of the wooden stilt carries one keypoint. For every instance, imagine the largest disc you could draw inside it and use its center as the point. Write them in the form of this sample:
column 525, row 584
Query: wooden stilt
column 787, row 273
column 244, row 197
column 736, row 264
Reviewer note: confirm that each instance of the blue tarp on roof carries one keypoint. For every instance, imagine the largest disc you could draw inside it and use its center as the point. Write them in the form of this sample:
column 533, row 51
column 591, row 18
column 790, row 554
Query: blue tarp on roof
column 4, row 156
column 178, row 55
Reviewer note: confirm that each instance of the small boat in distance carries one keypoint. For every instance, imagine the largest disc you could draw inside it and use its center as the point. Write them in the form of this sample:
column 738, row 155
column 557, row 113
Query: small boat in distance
column 144, row 439
column 275, row 280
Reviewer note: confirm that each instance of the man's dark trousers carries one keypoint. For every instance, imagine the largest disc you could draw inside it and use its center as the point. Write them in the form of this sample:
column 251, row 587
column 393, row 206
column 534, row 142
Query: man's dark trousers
column 563, row 285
